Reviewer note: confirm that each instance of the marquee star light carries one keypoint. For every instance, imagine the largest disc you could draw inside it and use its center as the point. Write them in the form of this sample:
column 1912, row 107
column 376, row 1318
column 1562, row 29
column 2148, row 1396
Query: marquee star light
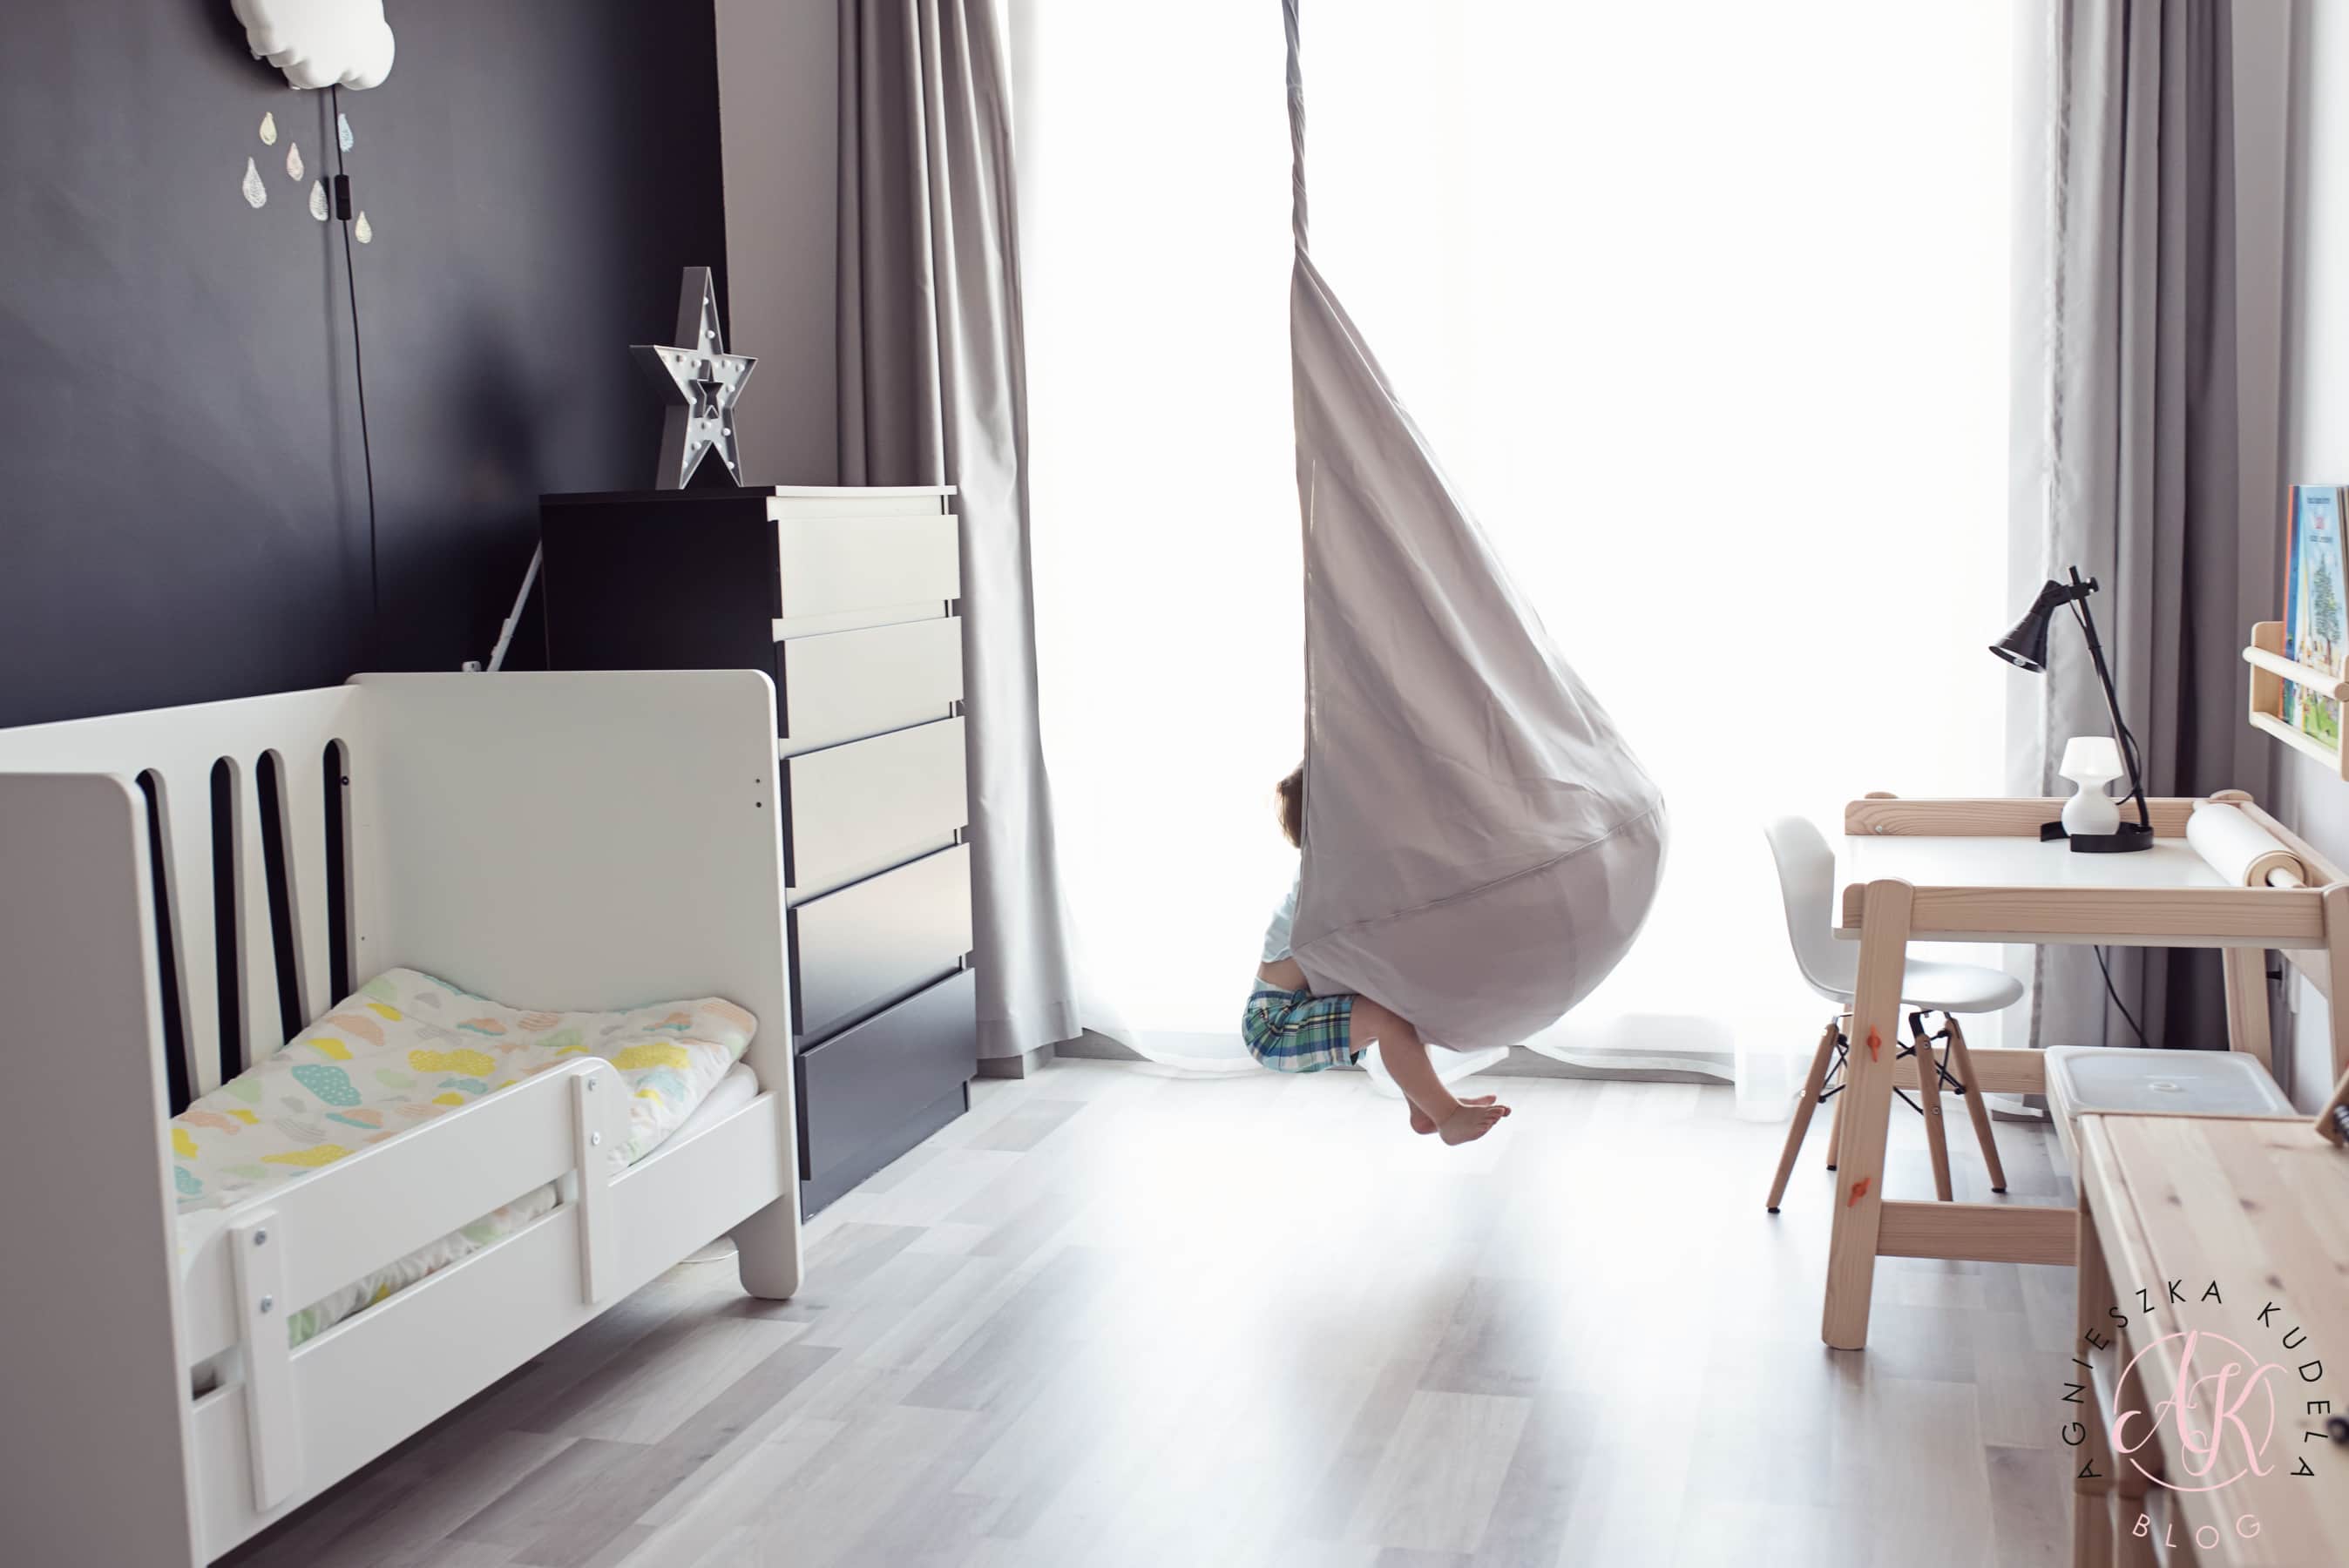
column 700, row 382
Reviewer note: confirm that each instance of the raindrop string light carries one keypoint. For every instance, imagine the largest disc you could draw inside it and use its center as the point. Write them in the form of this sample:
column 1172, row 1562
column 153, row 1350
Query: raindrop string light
column 358, row 372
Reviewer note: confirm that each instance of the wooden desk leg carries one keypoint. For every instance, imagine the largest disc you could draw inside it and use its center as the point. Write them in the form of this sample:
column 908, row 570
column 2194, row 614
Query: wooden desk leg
column 1814, row 1081
column 2336, row 969
column 2130, row 1488
column 1929, row 1100
column 2246, row 970
column 2091, row 1454
column 1962, row 1062
column 1867, row 1097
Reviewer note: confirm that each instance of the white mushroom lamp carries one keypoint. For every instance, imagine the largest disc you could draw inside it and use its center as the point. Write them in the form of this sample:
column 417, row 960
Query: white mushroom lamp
column 2091, row 762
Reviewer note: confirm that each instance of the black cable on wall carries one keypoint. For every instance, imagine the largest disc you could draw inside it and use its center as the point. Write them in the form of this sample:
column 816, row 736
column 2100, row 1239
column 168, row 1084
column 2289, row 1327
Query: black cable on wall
column 177, row 401
column 359, row 373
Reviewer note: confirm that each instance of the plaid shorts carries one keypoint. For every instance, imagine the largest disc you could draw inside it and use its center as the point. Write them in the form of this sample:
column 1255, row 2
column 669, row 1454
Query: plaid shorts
column 1298, row 1032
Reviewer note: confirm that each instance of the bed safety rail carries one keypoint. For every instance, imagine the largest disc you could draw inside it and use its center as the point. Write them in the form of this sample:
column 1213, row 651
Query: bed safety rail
column 280, row 1250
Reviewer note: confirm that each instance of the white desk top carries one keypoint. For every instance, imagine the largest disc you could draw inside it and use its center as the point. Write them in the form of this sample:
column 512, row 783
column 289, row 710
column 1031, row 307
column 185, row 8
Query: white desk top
column 2013, row 862
column 2016, row 863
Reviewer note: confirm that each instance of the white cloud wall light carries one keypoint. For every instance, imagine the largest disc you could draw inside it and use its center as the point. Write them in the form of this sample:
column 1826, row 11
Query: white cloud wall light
column 320, row 43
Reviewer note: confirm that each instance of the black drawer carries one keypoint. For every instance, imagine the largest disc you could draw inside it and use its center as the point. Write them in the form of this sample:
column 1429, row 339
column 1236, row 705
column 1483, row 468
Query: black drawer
column 847, row 684
column 872, row 942
column 681, row 581
column 865, row 1084
column 855, row 809
column 834, row 565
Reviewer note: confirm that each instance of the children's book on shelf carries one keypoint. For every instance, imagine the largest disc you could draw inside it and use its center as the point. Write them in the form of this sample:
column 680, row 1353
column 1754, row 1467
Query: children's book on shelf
column 2313, row 615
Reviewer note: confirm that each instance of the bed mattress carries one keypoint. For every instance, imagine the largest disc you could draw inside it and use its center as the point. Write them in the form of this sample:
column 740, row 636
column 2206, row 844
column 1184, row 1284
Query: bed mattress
column 407, row 1047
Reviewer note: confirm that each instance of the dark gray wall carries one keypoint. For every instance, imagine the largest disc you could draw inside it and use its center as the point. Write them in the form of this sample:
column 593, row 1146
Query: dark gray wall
column 183, row 498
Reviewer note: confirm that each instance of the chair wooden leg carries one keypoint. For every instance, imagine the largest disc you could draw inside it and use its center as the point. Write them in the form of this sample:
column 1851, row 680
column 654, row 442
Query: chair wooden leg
column 1835, row 1129
column 1835, row 1123
column 1977, row 1107
column 1929, row 1100
column 1813, row 1082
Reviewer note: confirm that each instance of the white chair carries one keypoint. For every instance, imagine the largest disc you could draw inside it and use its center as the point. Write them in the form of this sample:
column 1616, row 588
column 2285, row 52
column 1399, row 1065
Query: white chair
column 1807, row 882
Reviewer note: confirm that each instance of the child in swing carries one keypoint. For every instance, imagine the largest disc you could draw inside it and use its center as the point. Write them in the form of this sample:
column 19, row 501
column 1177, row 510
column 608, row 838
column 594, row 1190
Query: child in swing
column 1290, row 1029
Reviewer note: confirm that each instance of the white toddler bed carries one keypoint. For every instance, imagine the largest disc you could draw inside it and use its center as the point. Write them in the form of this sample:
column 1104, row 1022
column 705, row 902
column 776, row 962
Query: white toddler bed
column 181, row 890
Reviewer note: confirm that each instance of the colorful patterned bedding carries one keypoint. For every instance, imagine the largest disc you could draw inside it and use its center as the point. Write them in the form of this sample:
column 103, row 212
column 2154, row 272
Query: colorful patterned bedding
column 405, row 1050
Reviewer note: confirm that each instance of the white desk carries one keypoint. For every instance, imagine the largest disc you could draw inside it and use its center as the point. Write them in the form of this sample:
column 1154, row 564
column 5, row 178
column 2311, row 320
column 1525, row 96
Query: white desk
column 1975, row 870
column 2009, row 861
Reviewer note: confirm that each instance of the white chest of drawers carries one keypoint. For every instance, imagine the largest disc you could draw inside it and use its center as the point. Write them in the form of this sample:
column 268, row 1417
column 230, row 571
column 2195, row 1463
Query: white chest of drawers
column 849, row 599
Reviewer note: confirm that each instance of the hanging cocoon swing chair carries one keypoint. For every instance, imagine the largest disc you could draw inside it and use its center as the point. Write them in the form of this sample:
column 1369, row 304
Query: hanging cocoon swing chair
column 1481, row 847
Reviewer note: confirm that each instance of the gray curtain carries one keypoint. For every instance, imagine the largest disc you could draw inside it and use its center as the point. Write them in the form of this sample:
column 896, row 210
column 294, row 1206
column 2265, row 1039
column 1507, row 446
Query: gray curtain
column 933, row 391
column 2126, row 444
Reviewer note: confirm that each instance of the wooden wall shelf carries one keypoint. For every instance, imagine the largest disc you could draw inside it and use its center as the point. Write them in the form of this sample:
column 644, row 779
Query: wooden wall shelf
column 2270, row 670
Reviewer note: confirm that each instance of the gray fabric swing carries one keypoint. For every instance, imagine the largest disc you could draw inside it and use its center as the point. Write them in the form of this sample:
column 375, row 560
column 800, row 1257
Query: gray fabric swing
column 1481, row 847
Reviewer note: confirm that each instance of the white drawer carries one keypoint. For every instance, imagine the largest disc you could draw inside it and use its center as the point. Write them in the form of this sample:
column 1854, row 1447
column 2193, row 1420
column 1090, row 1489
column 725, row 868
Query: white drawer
column 847, row 684
column 833, row 566
column 852, row 810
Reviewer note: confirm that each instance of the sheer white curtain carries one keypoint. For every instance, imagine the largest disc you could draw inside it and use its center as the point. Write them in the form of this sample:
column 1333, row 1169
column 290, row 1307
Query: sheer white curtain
column 1704, row 307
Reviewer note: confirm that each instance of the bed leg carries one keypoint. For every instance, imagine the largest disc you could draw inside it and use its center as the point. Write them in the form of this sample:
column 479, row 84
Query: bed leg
column 769, row 1245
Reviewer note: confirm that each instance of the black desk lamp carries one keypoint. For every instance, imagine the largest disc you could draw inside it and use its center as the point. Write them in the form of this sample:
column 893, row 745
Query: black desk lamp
column 2025, row 648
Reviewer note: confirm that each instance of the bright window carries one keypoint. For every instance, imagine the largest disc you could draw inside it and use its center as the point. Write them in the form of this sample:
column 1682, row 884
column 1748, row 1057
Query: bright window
column 1704, row 307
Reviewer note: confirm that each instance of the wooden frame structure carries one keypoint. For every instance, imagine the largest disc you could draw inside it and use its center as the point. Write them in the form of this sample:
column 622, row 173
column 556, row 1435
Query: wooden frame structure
column 2151, row 902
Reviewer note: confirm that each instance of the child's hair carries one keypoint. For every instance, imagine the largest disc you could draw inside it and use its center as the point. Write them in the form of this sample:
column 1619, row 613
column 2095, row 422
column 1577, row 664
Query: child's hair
column 1292, row 805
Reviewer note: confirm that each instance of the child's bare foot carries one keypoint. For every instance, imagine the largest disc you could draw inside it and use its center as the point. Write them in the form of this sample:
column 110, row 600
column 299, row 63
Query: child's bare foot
column 1421, row 1122
column 1471, row 1122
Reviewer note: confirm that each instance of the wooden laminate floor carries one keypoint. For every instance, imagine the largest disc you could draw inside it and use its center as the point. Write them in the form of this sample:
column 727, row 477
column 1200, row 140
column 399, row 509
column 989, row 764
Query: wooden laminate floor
column 1116, row 1318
